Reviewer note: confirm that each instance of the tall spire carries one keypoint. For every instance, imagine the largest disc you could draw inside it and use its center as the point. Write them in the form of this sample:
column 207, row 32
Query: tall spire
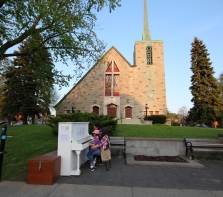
column 146, row 33
column 145, row 16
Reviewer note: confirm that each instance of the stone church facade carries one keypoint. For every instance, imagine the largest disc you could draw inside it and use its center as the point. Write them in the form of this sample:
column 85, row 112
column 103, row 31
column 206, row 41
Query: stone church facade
column 115, row 87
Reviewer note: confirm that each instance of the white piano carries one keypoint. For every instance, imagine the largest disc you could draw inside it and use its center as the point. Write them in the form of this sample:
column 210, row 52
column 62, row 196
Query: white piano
column 72, row 146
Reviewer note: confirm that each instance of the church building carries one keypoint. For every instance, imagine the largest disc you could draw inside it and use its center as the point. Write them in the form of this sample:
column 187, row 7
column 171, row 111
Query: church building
column 115, row 87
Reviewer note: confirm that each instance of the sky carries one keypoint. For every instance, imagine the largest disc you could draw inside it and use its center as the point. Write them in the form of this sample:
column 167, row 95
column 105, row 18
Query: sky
column 176, row 23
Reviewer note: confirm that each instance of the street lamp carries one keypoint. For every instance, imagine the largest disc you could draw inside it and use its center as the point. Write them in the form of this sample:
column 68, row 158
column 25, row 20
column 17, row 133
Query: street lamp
column 146, row 107
column 72, row 107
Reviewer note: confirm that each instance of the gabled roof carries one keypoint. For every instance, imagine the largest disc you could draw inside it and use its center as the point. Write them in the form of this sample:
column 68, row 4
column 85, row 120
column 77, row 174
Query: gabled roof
column 89, row 72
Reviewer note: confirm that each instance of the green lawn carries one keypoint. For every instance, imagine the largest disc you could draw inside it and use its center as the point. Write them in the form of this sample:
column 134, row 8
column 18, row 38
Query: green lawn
column 27, row 141
column 164, row 131
column 24, row 142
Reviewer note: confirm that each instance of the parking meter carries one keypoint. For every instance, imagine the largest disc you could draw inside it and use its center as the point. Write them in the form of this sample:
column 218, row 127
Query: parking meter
column 2, row 147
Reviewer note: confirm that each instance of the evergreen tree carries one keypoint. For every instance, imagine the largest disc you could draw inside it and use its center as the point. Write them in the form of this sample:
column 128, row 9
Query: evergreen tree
column 205, row 88
column 220, row 81
column 29, row 81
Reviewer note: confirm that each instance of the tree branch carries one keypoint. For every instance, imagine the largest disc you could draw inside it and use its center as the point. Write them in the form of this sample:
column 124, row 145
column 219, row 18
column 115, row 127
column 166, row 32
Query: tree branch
column 18, row 40
column 2, row 2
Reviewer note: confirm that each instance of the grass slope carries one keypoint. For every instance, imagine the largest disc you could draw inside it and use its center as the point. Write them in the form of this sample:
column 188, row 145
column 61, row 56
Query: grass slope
column 22, row 143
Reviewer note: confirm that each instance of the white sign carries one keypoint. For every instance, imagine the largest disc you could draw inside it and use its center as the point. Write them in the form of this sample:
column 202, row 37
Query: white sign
column 64, row 134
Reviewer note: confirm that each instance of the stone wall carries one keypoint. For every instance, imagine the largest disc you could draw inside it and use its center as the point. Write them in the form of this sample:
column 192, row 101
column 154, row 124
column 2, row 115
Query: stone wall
column 155, row 146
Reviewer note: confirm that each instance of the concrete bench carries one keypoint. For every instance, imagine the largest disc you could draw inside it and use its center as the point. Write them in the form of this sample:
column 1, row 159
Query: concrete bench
column 203, row 146
column 117, row 145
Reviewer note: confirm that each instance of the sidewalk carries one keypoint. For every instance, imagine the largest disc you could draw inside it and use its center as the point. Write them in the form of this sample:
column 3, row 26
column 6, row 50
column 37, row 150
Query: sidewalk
column 20, row 189
column 131, row 181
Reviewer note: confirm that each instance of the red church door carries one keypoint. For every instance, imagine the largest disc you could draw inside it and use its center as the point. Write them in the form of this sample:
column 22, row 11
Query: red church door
column 128, row 112
column 111, row 109
column 96, row 110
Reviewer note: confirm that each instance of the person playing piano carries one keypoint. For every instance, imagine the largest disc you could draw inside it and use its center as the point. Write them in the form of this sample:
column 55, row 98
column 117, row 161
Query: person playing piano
column 97, row 126
column 94, row 150
column 104, row 143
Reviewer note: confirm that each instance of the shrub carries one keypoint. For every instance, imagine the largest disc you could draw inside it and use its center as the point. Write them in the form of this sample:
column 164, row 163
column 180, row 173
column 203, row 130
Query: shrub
column 106, row 121
column 157, row 119
column 175, row 124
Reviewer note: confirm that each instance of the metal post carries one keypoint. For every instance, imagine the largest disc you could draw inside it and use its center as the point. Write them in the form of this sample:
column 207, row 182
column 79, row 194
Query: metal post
column 146, row 109
column 2, row 147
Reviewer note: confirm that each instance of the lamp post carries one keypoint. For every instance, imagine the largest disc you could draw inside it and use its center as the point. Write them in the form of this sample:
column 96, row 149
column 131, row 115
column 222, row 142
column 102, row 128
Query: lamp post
column 2, row 147
column 146, row 107
column 72, row 107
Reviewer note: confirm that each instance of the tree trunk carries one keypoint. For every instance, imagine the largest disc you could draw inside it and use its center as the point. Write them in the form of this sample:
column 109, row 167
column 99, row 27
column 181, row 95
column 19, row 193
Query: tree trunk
column 33, row 119
column 24, row 119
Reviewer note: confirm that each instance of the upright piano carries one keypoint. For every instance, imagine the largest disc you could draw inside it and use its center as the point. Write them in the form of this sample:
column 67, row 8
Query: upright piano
column 72, row 146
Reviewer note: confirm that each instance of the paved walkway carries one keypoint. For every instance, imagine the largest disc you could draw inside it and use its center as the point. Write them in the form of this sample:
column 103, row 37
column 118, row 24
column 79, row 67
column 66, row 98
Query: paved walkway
column 208, row 178
column 129, row 181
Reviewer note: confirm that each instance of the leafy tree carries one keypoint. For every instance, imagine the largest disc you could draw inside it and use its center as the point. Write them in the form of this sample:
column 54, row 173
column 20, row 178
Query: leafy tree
column 220, row 81
column 3, row 65
column 205, row 88
column 171, row 116
column 66, row 26
column 29, row 82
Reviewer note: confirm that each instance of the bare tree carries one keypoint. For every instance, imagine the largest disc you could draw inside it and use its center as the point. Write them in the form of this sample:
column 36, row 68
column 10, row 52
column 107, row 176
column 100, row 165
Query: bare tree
column 183, row 112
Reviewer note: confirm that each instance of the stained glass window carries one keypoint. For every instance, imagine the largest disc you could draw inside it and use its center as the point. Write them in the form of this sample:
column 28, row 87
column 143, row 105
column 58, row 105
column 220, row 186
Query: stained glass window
column 112, row 80
column 116, row 85
column 108, row 83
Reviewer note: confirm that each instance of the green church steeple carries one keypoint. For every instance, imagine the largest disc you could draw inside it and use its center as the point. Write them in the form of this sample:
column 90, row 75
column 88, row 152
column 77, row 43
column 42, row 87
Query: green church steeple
column 146, row 33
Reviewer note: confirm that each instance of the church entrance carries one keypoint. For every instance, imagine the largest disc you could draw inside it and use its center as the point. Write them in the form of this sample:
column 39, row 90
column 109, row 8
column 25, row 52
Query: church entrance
column 128, row 112
column 111, row 110
column 96, row 110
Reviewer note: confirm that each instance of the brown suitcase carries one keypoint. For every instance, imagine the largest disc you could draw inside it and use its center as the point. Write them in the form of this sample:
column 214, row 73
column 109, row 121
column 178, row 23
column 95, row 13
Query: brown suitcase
column 43, row 170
